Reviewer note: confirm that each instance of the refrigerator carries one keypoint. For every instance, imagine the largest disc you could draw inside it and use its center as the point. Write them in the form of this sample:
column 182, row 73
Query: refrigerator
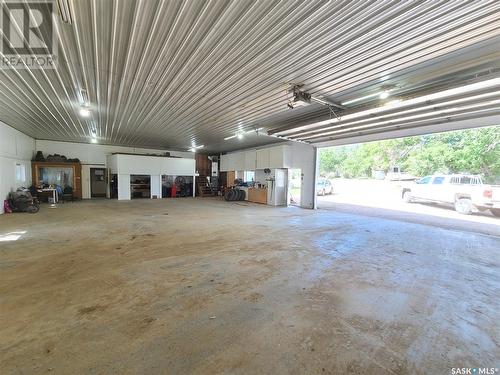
column 277, row 185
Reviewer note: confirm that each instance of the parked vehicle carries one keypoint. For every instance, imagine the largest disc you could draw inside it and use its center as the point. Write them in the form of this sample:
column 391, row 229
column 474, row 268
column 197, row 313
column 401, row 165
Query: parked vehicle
column 324, row 186
column 396, row 174
column 466, row 192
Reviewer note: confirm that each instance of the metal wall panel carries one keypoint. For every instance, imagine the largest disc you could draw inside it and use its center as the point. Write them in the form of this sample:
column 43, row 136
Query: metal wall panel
column 172, row 73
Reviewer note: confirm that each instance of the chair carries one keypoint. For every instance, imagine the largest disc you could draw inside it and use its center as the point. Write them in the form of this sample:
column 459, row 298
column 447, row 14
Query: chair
column 67, row 194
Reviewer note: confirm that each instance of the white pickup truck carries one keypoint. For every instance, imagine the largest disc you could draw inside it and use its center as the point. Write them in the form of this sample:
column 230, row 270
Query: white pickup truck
column 466, row 192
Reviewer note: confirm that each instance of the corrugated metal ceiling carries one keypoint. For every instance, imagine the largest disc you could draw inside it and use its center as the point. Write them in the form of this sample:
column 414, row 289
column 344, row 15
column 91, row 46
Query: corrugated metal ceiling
column 176, row 73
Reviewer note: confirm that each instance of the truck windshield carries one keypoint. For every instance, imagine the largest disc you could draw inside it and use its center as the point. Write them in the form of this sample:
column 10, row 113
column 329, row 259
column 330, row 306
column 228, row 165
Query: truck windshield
column 438, row 180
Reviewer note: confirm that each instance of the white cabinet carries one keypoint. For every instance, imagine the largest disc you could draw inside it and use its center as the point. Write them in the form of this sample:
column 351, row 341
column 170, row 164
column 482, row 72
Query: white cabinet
column 239, row 161
column 250, row 160
column 263, row 158
column 232, row 162
column 281, row 157
column 270, row 157
column 274, row 157
column 224, row 163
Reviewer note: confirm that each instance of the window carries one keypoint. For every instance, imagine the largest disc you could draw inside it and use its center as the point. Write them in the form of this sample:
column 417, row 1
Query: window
column 20, row 174
column 424, row 180
column 438, row 180
column 466, row 180
column 249, row 176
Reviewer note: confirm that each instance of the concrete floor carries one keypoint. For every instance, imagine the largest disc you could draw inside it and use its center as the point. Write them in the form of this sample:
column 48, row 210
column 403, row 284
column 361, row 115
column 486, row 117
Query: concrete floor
column 191, row 286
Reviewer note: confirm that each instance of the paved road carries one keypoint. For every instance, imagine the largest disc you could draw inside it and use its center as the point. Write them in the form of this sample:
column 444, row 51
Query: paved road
column 382, row 198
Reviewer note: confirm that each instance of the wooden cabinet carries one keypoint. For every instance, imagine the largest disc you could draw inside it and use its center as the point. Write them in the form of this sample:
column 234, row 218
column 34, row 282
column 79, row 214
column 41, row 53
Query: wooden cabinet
column 257, row 195
column 38, row 168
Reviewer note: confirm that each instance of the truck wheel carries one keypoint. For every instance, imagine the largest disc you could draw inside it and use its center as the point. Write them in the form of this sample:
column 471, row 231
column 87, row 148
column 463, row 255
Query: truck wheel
column 463, row 206
column 495, row 211
column 407, row 197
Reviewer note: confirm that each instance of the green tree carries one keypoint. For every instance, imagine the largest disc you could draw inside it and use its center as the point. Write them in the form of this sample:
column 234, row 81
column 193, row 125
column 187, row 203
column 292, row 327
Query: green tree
column 470, row 151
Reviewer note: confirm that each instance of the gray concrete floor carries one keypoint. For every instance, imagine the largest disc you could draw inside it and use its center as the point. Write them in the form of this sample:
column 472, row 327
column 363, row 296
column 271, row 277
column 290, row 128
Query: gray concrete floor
column 192, row 286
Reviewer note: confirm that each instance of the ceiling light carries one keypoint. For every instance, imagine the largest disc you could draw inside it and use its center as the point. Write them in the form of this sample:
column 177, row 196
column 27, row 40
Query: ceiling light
column 65, row 11
column 240, row 135
column 384, row 95
column 194, row 148
column 360, row 98
column 393, row 102
column 84, row 112
column 84, row 97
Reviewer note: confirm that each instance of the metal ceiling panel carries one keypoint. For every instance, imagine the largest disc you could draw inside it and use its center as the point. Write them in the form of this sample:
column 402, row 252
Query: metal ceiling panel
column 172, row 73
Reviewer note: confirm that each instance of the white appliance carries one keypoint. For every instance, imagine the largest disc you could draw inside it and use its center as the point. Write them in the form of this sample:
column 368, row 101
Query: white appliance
column 277, row 187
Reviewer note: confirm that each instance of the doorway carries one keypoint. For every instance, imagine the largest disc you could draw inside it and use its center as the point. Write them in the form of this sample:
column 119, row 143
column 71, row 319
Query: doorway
column 176, row 186
column 113, row 186
column 98, row 182
column 140, row 186
column 294, row 186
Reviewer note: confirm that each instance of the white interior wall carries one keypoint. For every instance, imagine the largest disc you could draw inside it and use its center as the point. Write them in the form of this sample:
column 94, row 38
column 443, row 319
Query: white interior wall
column 126, row 165
column 15, row 148
column 96, row 156
column 156, row 185
column 153, row 165
column 123, row 187
column 95, row 153
column 304, row 157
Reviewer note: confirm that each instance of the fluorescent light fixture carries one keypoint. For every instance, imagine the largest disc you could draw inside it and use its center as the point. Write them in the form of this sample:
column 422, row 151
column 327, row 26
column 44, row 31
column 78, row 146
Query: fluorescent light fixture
column 85, row 97
column 384, row 95
column 84, row 112
column 240, row 135
column 393, row 102
column 194, row 148
column 65, row 11
column 360, row 98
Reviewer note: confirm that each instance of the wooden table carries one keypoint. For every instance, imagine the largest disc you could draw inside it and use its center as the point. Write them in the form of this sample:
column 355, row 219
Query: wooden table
column 55, row 195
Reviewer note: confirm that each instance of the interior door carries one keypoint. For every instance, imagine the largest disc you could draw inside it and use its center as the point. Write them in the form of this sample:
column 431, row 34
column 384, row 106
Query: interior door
column 98, row 182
